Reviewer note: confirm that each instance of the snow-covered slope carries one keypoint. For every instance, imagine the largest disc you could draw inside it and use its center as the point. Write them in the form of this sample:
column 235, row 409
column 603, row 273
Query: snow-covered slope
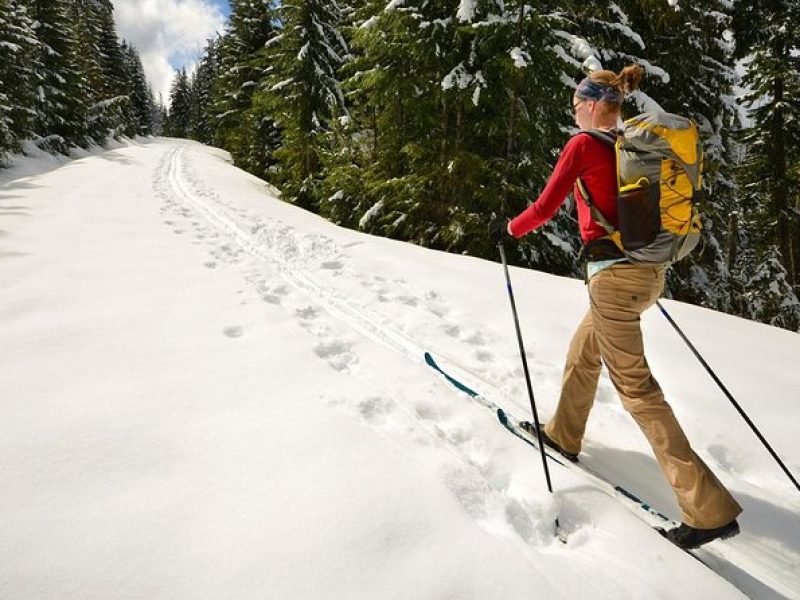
column 205, row 392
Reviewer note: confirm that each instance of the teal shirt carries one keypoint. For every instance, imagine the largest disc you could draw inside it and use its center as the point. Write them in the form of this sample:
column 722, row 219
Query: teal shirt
column 593, row 267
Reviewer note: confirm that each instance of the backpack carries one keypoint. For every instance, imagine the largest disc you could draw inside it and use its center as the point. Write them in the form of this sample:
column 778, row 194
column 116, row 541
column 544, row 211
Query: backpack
column 659, row 169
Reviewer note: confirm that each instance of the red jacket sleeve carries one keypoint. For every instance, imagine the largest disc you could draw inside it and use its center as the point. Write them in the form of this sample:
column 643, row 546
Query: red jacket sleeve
column 555, row 192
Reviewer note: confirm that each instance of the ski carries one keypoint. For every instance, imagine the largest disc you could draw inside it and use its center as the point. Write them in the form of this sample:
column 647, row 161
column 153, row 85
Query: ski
column 511, row 423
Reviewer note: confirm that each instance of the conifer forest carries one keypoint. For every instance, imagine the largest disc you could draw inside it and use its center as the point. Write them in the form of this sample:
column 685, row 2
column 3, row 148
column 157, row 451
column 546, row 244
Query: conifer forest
column 419, row 119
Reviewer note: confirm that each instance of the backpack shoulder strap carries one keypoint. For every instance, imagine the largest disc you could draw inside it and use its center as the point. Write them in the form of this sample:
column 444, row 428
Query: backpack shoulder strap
column 610, row 138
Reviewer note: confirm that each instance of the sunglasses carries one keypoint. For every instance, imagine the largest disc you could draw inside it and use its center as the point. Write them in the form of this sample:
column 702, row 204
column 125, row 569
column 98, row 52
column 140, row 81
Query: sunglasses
column 577, row 104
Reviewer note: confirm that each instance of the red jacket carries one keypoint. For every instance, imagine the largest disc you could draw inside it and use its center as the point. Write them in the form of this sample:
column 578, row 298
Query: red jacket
column 594, row 162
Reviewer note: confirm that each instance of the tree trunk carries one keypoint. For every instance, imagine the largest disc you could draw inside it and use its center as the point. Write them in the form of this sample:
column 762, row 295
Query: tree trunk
column 733, row 241
column 511, row 145
column 457, row 150
column 374, row 152
column 780, row 187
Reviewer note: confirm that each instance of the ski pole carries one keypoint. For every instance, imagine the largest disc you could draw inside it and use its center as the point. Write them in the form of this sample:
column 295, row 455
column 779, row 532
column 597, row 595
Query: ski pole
column 527, row 373
column 728, row 394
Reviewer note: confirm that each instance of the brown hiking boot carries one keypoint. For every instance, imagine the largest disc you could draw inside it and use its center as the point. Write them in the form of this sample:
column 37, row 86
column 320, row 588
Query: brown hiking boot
column 531, row 428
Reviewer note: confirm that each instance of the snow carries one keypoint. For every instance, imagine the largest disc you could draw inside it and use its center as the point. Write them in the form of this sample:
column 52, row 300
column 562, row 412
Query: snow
column 457, row 77
column 466, row 10
column 369, row 22
column 518, row 55
column 206, row 392
column 623, row 29
column 579, row 48
column 374, row 211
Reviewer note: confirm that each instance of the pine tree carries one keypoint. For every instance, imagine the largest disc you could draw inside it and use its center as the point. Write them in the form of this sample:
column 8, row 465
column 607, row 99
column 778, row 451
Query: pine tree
column 303, row 93
column 158, row 116
column 393, row 103
column 180, row 106
column 60, row 108
column 18, row 68
column 510, row 106
column 769, row 172
column 140, row 95
column 348, row 147
column 452, row 118
column 246, row 131
column 201, row 124
column 110, row 111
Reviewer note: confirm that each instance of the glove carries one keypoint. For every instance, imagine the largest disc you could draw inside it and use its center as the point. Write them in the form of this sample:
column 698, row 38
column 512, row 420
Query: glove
column 498, row 230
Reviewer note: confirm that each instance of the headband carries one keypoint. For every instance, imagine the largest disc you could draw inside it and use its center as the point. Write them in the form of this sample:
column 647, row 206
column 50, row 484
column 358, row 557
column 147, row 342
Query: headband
column 592, row 90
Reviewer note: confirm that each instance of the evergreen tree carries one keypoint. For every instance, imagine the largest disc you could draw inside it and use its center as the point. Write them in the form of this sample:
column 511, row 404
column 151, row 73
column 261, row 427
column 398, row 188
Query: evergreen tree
column 140, row 96
column 158, row 116
column 180, row 106
column 18, row 68
column 201, row 124
column 769, row 172
column 453, row 118
column 509, row 102
column 303, row 93
column 386, row 86
column 61, row 109
column 243, row 129
column 110, row 111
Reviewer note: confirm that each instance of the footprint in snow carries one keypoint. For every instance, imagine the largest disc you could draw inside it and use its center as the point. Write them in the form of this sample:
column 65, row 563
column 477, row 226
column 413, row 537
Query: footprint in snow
column 723, row 457
column 484, row 356
column 451, row 330
column 408, row 300
column 307, row 313
column 332, row 265
column 233, row 332
column 375, row 409
column 337, row 353
column 475, row 339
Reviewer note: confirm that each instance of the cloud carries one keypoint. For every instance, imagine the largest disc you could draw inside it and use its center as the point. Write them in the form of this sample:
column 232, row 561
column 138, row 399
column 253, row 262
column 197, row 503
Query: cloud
column 168, row 34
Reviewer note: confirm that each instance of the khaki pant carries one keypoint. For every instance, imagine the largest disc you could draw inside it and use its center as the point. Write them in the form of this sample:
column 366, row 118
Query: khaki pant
column 611, row 331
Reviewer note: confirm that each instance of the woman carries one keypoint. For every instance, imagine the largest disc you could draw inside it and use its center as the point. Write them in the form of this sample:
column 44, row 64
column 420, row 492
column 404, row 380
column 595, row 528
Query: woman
column 618, row 294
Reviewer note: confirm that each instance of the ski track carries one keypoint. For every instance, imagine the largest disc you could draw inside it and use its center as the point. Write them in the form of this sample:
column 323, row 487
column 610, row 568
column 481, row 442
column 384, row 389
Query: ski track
column 278, row 262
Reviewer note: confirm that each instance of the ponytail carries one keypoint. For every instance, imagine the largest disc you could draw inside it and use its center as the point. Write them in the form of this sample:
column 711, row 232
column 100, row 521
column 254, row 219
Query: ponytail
column 622, row 83
column 628, row 79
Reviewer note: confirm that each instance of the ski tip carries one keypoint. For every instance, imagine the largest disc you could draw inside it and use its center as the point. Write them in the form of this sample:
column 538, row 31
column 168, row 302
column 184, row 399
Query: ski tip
column 502, row 416
column 429, row 359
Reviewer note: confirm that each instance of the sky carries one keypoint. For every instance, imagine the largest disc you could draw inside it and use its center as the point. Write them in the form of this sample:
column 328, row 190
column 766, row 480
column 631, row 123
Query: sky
column 169, row 34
